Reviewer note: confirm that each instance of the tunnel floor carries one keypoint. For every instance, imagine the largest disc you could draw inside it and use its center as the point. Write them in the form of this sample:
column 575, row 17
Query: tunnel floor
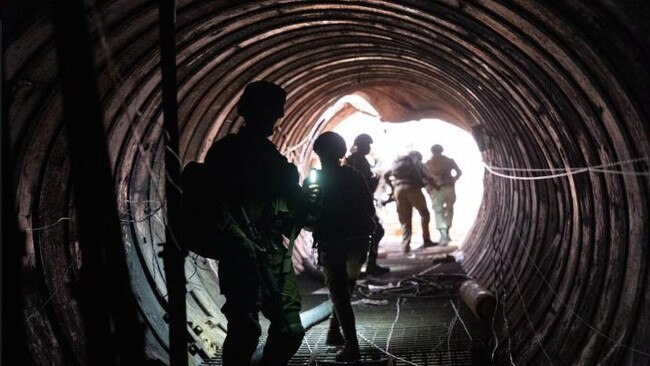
column 413, row 316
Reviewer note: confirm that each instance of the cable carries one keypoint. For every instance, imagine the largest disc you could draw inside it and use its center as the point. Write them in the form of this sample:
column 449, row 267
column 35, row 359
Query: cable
column 385, row 352
column 392, row 326
column 461, row 320
column 568, row 171
column 48, row 226
column 606, row 165
column 57, row 287
column 557, row 297
column 530, row 323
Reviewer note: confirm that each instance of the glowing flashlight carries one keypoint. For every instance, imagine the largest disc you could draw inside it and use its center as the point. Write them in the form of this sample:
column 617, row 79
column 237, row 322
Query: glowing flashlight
column 313, row 176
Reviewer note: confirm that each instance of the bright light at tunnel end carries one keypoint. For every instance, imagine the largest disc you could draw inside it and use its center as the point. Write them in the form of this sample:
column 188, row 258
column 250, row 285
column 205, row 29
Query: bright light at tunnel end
column 394, row 139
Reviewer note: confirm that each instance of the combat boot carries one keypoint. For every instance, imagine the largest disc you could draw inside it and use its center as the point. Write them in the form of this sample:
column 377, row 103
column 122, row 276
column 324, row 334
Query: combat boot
column 429, row 244
column 349, row 353
column 373, row 268
column 351, row 350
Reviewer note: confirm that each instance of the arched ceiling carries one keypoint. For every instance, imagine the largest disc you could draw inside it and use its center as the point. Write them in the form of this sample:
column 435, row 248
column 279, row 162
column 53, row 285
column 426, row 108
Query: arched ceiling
column 555, row 84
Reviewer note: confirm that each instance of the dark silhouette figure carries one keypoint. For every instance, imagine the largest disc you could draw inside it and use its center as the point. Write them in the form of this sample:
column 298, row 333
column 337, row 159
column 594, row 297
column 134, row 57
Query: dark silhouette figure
column 342, row 235
column 357, row 160
column 408, row 178
column 255, row 197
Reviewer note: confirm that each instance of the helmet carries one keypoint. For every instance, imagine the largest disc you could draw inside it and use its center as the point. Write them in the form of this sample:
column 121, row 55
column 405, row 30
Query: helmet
column 262, row 98
column 330, row 144
column 363, row 139
column 437, row 148
column 415, row 155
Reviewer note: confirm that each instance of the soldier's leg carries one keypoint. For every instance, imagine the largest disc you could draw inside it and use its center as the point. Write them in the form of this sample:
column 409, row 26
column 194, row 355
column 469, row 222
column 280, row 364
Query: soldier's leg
column 405, row 214
column 437, row 202
column 238, row 284
column 449, row 200
column 241, row 341
column 334, row 335
column 281, row 344
column 420, row 204
column 374, row 244
column 285, row 335
column 355, row 255
column 373, row 267
column 337, row 281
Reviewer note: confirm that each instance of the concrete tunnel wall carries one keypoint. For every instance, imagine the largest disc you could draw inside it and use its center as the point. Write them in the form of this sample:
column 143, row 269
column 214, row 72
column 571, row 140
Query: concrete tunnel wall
column 554, row 84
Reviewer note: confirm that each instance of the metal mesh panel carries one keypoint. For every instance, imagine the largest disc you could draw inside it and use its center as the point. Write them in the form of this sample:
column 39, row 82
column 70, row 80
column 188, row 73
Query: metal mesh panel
column 427, row 332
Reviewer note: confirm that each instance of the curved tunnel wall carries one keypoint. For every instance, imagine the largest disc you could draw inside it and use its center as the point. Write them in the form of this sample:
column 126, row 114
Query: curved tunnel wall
column 553, row 86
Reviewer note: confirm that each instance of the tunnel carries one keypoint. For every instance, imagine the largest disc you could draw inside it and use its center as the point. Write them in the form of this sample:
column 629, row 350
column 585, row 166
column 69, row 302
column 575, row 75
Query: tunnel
column 555, row 92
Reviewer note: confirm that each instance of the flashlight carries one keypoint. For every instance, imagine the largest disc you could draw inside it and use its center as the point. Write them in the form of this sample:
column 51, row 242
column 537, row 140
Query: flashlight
column 314, row 187
column 313, row 176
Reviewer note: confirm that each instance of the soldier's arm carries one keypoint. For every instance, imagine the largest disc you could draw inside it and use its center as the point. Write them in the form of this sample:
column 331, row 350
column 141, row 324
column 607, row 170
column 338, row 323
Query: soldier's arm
column 457, row 169
column 387, row 176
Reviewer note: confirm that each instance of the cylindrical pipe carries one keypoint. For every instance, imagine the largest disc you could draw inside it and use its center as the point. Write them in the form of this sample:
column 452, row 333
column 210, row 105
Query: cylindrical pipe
column 481, row 301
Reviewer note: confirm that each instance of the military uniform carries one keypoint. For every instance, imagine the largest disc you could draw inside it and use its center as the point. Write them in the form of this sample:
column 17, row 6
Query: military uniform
column 250, row 177
column 409, row 178
column 359, row 162
column 342, row 237
column 442, row 191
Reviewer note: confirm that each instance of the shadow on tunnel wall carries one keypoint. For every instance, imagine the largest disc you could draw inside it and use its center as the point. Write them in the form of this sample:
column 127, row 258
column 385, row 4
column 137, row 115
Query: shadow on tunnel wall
column 555, row 84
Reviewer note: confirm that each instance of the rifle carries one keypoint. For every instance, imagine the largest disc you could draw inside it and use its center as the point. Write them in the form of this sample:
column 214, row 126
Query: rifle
column 270, row 288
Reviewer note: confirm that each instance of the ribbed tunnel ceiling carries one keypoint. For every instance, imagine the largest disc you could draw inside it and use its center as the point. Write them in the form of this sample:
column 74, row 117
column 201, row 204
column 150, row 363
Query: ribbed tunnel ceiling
column 552, row 84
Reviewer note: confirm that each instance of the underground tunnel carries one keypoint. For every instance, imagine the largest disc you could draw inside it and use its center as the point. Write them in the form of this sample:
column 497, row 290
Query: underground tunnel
column 555, row 93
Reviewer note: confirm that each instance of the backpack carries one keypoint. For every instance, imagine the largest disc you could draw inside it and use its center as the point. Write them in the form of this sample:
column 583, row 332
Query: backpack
column 406, row 169
column 403, row 168
column 198, row 232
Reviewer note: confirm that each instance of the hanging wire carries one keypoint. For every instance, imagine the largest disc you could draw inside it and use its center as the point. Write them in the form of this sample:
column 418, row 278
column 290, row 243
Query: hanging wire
column 530, row 323
column 119, row 80
column 57, row 287
column 567, row 171
column 557, row 298
column 60, row 220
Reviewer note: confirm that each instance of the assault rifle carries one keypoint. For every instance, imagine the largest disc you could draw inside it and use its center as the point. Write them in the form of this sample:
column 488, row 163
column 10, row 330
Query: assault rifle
column 271, row 289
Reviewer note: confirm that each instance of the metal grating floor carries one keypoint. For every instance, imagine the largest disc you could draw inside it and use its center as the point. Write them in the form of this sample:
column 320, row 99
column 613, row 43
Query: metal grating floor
column 426, row 332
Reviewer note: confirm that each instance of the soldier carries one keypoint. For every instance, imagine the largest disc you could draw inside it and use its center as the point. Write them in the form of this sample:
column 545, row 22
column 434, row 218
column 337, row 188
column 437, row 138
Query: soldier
column 357, row 160
column 408, row 179
column 442, row 190
column 256, row 198
column 342, row 236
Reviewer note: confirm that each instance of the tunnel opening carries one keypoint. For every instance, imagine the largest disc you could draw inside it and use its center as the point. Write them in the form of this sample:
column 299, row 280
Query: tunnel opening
column 397, row 139
column 545, row 82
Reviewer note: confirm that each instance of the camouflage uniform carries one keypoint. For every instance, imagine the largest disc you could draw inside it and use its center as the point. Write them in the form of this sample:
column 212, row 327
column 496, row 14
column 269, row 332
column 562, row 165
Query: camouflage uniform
column 247, row 172
column 342, row 237
column 359, row 162
column 442, row 191
column 409, row 177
